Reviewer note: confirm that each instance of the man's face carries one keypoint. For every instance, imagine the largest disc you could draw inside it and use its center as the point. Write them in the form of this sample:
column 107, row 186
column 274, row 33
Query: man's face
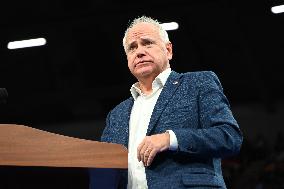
column 147, row 54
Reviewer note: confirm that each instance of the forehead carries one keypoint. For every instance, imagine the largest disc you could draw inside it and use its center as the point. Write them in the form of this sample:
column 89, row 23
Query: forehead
column 142, row 30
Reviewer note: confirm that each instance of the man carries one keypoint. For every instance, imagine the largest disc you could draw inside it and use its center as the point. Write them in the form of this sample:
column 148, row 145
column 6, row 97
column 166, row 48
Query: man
column 177, row 127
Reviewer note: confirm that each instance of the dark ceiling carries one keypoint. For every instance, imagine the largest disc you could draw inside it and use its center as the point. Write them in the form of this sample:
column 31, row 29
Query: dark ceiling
column 82, row 73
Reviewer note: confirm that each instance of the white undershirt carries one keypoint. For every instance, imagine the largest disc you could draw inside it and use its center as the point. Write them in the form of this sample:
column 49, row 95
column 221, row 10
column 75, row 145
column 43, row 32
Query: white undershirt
column 138, row 124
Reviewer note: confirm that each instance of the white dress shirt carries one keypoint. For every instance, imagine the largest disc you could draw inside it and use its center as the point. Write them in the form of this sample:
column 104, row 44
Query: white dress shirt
column 138, row 124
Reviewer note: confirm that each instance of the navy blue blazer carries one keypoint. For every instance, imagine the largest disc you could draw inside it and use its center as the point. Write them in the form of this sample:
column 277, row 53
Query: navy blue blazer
column 195, row 108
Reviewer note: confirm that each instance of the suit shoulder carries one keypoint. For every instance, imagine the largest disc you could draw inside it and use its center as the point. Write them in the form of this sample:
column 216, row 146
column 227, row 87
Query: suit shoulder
column 204, row 78
column 201, row 74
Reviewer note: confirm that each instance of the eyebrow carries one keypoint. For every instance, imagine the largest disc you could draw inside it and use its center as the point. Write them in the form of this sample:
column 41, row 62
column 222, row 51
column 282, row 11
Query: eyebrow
column 144, row 39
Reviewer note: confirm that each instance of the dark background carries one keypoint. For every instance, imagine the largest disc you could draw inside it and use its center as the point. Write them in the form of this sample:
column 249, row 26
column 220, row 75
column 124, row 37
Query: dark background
column 69, row 85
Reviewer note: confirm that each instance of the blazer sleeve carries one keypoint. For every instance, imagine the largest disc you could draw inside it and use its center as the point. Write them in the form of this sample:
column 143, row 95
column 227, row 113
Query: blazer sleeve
column 218, row 134
column 107, row 132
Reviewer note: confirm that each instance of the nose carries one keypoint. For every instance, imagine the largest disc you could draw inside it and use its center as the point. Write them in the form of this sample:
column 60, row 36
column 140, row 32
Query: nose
column 140, row 51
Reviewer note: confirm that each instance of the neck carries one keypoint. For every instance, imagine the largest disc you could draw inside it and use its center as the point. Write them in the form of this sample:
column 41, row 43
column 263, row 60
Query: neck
column 145, row 85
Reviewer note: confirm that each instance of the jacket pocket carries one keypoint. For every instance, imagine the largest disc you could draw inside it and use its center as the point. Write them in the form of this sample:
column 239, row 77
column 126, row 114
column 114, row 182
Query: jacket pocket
column 201, row 177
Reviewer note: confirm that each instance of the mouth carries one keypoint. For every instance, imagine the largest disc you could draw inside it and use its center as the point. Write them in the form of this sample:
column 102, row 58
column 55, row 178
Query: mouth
column 142, row 62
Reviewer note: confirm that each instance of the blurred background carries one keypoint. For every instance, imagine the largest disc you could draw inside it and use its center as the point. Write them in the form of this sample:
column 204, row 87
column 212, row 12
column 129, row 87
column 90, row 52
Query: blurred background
column 68, row 85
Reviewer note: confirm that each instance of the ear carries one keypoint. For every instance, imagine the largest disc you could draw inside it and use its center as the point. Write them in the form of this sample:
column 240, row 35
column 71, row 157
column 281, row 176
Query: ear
column 169, row 48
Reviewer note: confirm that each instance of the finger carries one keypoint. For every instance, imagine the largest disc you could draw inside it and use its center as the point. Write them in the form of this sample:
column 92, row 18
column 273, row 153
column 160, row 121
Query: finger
column 139, row 148
column 146, row 156
column 151, row 157
column 143, row 153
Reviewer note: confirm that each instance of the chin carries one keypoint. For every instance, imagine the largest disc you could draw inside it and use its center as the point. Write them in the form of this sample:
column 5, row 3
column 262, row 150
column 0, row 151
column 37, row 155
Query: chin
column 145, row 72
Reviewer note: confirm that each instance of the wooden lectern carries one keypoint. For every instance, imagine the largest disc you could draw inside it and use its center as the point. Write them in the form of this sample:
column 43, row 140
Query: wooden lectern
column 25, row 146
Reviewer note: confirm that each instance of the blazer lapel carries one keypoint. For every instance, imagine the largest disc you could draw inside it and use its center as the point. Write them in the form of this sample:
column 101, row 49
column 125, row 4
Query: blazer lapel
column 168, row 90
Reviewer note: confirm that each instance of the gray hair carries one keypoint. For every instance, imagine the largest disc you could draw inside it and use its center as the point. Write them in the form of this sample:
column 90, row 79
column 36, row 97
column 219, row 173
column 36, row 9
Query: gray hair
column 163, row 33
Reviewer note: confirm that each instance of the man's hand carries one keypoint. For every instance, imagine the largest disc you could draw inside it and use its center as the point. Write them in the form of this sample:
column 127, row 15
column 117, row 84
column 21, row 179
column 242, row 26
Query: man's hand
column 151, row 145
